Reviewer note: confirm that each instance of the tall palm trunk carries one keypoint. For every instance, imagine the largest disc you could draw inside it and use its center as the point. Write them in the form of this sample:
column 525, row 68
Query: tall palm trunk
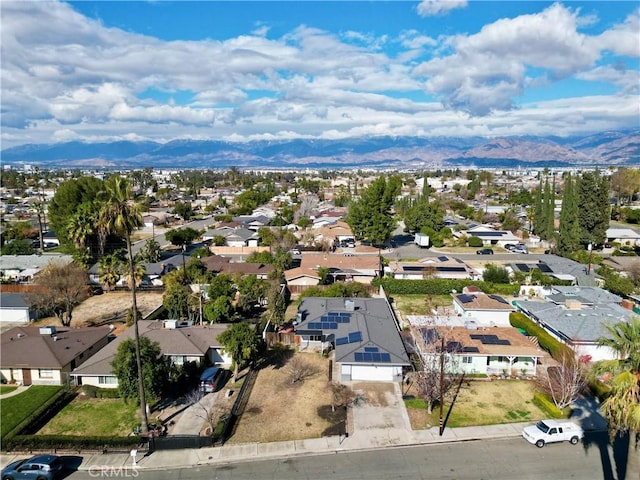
column 143, row 399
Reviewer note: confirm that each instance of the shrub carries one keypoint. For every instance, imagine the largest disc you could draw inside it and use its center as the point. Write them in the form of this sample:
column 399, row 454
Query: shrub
column 65, row 442
column 89, row 391
column 440, row 286
column 600, row 389
column 556, row 348
column 475, row 242
column 547, row 405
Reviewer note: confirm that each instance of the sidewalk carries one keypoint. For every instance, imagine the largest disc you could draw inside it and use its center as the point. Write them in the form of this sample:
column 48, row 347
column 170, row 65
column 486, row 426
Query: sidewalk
column 384, row 438
column 373, row 426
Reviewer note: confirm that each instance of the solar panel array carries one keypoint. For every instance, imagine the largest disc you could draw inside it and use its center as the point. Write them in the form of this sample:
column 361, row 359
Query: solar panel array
column 490, row 339
column 322, row 325
column 353, row 337
column 498, row 298
column 372, row 357
column 470, row 349
column 465, row 298
column 429, row 335
column 453, row 347
column 544, row 268
column 443, row 258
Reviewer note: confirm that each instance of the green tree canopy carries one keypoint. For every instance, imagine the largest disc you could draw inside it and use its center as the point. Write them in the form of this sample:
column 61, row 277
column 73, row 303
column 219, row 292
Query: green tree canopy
column 155, row 369
column 242, row 342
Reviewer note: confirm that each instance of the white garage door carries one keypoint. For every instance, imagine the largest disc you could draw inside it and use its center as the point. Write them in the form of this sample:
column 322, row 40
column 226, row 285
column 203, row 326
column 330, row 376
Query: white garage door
column 380, row 374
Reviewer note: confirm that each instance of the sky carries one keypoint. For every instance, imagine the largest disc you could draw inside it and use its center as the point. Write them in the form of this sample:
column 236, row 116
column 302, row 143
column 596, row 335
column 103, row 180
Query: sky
column 266, row 70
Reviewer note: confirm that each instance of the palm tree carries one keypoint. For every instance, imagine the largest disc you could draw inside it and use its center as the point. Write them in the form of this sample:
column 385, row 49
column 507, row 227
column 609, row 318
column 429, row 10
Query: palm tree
column 122, row 216
column 109, row 268
column 622, row 407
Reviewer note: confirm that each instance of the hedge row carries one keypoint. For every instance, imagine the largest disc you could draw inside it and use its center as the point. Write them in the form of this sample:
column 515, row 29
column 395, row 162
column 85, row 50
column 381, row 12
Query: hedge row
column 440, row 286
column 65, row 442
column 547, row 405
column 556, row 348
column 599, row 389
column 92, row 391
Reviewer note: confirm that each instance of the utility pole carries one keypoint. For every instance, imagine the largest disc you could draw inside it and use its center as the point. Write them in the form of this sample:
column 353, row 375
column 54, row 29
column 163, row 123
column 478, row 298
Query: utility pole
column 441, row 386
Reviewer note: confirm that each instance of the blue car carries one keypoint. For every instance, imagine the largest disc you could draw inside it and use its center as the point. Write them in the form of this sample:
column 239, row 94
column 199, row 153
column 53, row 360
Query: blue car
column 40, row 467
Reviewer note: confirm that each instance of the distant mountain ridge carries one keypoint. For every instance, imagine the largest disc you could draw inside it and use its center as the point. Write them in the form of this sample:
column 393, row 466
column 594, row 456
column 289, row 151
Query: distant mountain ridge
column 601, row 149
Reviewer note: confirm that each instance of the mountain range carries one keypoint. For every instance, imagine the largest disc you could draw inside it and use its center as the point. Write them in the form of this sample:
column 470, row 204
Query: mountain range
column 611, row 148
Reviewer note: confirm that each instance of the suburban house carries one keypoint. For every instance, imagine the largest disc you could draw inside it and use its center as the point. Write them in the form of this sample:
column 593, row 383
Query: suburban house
column 432, row 267
column 354, row 268
column 528, row 267
column 14, row 308
column 623, row 236
column 362, row 331
column 253, row 222
column 473, row 350
column 489, row 235
column 333, row 234
column 218, row 264
column 47, row 355
column 233, row 237
column 22, row 268
column 178, row 342
column 153, row 272
column 577, row 317
column 489, row 310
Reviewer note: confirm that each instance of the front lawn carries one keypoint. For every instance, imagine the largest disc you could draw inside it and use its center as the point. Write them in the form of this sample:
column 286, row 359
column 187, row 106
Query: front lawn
column 7, row 388
column 481, row 403
column 16, row 409
column 93, row 417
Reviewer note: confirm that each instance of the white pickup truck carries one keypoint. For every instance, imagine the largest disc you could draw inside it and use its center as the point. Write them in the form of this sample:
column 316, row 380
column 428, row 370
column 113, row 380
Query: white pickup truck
column 550, row 431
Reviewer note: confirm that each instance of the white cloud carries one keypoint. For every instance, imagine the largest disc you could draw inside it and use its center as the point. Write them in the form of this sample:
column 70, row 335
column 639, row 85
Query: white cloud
column 65, row 76
column 428, row 8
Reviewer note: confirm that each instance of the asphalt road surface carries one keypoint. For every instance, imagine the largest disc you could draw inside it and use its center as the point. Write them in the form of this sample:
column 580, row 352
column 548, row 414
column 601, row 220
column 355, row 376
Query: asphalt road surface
column 508, row 459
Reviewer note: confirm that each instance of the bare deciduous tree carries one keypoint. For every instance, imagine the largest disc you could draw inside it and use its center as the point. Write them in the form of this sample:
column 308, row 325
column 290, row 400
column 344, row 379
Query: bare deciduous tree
column 61, row 287
column 307, row 206
column 298, row 369
column 436, row 357
column 341, row 395
column 563, row 382
column 211, row 413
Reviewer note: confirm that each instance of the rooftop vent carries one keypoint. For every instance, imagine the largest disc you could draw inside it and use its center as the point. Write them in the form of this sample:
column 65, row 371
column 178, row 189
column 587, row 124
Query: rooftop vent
column 171, row 324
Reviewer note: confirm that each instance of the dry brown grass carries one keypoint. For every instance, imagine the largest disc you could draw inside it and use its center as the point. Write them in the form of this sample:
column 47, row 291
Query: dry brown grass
column 279, row 410
column 483, row 403
column 111, row 305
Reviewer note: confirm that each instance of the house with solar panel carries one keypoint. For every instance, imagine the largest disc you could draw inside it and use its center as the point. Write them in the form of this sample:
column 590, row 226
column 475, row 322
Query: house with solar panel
column 362, row 332
column 474, row 350
column 484, row 309
column 489, row 235
column 442, row 266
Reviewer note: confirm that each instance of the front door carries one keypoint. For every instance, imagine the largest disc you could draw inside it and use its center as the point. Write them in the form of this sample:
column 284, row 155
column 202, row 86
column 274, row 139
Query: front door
column 26, row 376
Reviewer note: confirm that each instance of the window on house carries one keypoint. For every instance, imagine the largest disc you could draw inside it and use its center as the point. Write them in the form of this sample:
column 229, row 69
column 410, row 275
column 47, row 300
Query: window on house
column 467, row 359
column 45, row 373
column 315, row 338
column 107, row 380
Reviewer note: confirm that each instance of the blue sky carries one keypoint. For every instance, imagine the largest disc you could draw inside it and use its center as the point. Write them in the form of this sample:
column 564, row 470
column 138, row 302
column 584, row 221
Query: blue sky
column 162, row 70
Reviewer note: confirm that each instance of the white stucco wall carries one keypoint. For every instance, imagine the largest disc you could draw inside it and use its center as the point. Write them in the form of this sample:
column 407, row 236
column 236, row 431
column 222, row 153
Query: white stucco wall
column 14, row 315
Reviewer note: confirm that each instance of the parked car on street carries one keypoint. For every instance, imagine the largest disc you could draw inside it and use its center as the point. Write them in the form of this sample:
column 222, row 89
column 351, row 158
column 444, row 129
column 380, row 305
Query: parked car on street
column 552, row 431
column 40, row 467
column 484, row 251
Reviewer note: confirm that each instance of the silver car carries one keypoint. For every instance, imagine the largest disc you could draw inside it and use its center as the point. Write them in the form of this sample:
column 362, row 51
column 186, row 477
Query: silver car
column 39, row 467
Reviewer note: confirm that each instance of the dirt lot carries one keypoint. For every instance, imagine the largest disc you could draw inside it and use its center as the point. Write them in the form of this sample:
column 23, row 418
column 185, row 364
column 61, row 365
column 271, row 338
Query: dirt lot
column 112, row 306
column 279, row 410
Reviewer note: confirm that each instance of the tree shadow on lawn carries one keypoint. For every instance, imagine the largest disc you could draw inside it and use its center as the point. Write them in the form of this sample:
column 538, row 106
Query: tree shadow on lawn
column 276, row 357
column 337, row 418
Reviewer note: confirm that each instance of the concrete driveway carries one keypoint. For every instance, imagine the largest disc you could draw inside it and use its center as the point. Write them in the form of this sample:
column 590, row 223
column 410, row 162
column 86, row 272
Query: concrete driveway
column 191, row 420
